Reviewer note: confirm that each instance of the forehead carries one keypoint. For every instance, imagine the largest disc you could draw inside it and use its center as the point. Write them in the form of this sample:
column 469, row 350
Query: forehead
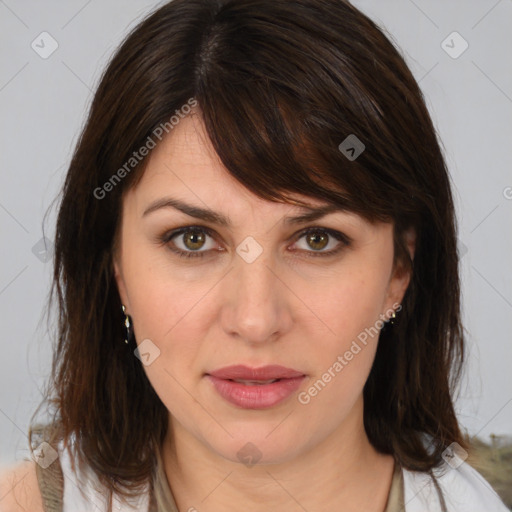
column 185, row 164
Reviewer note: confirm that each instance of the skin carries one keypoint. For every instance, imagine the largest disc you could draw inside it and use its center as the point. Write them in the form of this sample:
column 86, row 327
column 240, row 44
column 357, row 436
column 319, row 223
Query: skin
column 284, row 308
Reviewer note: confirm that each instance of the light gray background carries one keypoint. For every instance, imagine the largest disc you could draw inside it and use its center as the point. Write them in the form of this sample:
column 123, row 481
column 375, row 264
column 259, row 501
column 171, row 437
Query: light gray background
column 44, row 101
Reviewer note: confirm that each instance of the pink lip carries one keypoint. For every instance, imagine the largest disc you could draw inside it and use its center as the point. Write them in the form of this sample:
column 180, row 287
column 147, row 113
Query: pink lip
column 239, row 371
column 257, row 396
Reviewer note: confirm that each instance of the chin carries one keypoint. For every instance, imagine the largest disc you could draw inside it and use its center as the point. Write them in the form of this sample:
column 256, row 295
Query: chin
column 254, row 447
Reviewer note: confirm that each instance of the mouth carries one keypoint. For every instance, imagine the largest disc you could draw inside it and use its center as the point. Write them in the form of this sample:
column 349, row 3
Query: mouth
column 264, row 374
column 255, row 388
column 254, row 382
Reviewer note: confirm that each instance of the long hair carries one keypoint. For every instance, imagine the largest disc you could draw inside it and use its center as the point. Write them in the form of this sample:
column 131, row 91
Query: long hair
column 279, row 85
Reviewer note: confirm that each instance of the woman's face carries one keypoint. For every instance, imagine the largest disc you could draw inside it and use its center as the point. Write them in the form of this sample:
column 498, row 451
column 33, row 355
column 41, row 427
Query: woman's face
column 253, row 291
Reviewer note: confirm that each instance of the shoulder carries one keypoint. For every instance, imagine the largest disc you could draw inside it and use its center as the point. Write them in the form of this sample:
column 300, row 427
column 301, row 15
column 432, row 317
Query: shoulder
column 19, row 488
column 463, row 489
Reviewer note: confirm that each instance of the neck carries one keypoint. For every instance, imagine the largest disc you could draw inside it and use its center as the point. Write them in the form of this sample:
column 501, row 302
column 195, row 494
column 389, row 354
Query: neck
column 333, row 475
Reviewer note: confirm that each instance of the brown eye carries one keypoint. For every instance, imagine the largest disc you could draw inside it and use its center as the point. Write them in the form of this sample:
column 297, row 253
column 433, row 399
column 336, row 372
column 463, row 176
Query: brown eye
column 317, row 240
column 197, row 241
column 193, row 240
column 190, row 241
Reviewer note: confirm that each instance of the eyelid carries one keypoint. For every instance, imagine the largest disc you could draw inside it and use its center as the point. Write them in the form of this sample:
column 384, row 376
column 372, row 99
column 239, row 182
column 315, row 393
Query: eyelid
column 342, row 238
column 168, row 235
column 339, row 235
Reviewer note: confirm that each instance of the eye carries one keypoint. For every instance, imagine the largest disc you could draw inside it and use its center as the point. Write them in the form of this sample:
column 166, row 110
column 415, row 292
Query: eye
column 197, row 241
column 319, row 239
column 190, row 241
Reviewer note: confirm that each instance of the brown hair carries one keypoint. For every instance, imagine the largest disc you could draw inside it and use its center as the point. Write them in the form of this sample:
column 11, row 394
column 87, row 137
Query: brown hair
column 279, row 85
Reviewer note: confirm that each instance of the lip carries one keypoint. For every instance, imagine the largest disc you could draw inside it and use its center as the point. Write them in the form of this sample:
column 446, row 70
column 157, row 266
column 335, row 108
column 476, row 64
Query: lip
column 268, row 372
column 255, row 396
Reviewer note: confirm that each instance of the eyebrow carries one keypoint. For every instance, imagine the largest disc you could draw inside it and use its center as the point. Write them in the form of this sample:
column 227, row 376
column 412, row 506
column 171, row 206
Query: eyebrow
column 207, row 215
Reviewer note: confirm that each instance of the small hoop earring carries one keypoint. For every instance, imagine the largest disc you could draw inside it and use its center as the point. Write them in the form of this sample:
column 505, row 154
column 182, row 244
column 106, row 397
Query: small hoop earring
column 127, row 324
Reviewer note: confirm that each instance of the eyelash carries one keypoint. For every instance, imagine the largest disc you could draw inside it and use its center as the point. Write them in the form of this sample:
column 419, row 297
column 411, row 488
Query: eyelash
column 167, row 237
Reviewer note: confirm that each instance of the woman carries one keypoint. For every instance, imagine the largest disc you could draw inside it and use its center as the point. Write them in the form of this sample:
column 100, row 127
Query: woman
column 257, row 277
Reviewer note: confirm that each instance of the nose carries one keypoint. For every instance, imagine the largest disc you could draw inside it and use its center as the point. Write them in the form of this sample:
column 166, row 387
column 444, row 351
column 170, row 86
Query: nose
column 255, row 301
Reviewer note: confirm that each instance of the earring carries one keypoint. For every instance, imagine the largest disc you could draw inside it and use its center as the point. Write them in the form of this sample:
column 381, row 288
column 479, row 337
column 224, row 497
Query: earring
column 127, row 324
column 392, row 318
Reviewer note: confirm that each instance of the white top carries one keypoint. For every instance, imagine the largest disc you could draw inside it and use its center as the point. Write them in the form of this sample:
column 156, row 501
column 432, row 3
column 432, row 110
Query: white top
column 464, row 490
column 83, row 490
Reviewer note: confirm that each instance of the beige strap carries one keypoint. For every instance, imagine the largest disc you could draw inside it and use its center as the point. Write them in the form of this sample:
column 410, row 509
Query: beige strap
column 162, row 499
column 396, row 493
column 51, row 485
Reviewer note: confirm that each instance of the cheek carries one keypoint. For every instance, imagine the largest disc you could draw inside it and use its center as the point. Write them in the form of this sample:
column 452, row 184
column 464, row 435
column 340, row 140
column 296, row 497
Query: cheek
column 351, row 302
column 162, row 295
column 167, row 312
column 350, row 308
column 172, row 315
column 165, row 309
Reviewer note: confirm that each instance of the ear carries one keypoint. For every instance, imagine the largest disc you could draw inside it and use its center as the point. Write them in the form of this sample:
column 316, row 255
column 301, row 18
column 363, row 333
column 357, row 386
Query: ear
column 401, row 275
column 121, row 286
